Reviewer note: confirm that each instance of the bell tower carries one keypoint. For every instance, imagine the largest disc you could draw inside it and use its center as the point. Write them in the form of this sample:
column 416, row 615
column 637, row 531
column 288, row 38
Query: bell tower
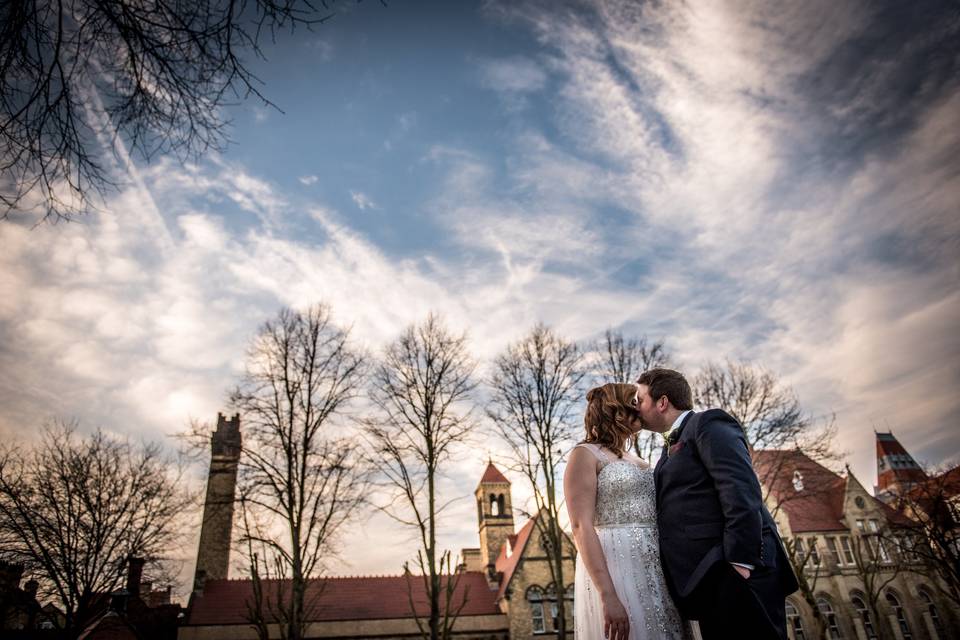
column 494, row 515
column 213, row 555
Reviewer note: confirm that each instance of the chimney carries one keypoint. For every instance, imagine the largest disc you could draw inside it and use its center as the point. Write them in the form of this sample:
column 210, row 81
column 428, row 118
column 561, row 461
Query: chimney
column 10, row 575
column 134, row 575
column 30, row 588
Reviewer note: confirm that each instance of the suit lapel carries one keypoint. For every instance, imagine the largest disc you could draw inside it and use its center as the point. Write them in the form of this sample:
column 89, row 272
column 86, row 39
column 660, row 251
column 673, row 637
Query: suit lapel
column 686, row 420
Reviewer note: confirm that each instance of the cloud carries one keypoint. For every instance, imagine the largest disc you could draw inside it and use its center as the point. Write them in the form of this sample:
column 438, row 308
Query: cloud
column 516, row 74
column 735, row 181
column 797, row 215
column 362, row 200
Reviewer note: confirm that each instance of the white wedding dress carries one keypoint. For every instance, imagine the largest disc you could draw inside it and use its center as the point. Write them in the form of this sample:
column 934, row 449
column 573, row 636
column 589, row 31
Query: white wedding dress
column 626, row 523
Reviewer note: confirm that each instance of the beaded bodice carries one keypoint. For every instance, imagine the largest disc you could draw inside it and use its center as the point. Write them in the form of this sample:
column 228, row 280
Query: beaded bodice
column 625, row 494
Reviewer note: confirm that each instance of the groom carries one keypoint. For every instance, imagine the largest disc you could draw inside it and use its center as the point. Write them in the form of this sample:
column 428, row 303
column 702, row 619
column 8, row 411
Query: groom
column 723, row 560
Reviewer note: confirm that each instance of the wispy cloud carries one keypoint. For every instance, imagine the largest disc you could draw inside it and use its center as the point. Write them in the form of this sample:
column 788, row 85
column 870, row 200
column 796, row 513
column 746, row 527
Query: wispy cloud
column 774, row 184
column 362, row 200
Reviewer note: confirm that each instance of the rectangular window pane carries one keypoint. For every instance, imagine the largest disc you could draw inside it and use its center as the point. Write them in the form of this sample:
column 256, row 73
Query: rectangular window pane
column 847, row 550
column 834, row 551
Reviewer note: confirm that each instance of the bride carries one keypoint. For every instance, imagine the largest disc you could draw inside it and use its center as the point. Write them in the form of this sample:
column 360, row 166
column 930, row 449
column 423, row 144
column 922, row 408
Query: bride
column 619, row 591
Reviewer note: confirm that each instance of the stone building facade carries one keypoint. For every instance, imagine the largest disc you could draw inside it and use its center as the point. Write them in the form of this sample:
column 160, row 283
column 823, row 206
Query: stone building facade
column 849, row 545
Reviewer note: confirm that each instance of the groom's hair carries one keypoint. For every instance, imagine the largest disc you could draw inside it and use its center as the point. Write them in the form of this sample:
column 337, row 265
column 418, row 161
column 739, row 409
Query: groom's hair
column 670, row 383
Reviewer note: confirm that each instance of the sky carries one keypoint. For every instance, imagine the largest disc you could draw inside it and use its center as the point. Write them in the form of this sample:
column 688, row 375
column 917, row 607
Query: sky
column 777, row 183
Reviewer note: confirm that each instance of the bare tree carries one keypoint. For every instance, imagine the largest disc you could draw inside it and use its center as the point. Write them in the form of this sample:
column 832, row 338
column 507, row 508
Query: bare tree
column 73, row 509
column 77, row 76
column 621, row 359
column 808, row 567
column 877, row 565
column 933, row 538
column 769, row 412
column 298, row 472
column 419, row 389
column 537, row 394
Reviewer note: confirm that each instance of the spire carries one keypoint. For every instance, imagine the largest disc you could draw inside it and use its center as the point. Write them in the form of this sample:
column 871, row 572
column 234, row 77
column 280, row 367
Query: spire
column 493, row 476
column 896, row 469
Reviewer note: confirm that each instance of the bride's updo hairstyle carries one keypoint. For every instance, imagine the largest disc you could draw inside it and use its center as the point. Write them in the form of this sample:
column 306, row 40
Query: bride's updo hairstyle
column 607, row 420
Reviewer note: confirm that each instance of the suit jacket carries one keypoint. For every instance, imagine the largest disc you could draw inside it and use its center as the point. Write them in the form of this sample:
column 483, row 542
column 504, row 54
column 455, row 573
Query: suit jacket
column 710, row 507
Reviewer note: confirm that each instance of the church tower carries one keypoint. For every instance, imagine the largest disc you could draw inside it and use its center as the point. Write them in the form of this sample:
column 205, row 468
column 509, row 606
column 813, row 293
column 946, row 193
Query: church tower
column 495, row 515
column 896, row 469
column 213, row 556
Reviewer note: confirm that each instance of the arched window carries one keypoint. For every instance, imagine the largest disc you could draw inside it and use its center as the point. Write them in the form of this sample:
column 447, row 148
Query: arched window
column 535, row 598
column 829, row 617
column 860, row 606
column 500, row 509
column 794, row 622
column 494, row 505
column 900, row 615
column 479, row 509
column 931, row 607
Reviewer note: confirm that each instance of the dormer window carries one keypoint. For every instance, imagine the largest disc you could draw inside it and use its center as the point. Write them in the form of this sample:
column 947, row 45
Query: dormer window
column 798, row 480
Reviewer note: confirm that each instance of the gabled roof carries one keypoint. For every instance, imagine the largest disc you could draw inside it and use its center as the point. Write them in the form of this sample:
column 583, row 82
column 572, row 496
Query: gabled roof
column 110, row 626
column 225, row 602
column 510, row 554
column 493, row 475
column 818, row 506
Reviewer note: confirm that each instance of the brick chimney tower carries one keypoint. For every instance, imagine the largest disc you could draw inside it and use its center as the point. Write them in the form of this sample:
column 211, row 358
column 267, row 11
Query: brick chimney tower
column 213, row 556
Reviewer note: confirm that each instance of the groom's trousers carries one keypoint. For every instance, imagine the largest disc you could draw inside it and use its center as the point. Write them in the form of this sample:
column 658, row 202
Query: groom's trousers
column 728, row 606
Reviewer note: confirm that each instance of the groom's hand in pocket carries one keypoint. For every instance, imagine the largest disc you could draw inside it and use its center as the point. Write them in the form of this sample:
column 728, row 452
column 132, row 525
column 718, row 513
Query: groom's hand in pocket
column 616, row 623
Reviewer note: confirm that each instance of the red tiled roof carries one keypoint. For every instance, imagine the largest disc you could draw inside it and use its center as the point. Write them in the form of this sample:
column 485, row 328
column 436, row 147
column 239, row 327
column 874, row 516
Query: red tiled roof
column 507, row 564
column 492, row 474
column 819, row 506
column 224, row 602
column 950, row 481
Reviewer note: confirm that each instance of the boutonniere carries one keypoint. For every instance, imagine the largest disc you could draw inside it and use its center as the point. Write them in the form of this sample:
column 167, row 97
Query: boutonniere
column 667, row 435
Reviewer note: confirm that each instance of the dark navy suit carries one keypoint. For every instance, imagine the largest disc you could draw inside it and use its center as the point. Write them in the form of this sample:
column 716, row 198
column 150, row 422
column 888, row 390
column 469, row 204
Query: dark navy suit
column 710, row 513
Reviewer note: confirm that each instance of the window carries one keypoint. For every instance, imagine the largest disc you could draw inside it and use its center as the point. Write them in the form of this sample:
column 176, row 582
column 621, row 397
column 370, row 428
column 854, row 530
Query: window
column 834, row 551
column 814, row 554
column 794, row 622
column 860, row 526
column 829, row 617
column 847, row 549
column 494, row 505
column 535, row 598
column 860, row 502
column 798, row 480
column 900, row 615
column 927, row 601
column 865, row 617
column 884, row 556
column 907, row 548
column 873, row 526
